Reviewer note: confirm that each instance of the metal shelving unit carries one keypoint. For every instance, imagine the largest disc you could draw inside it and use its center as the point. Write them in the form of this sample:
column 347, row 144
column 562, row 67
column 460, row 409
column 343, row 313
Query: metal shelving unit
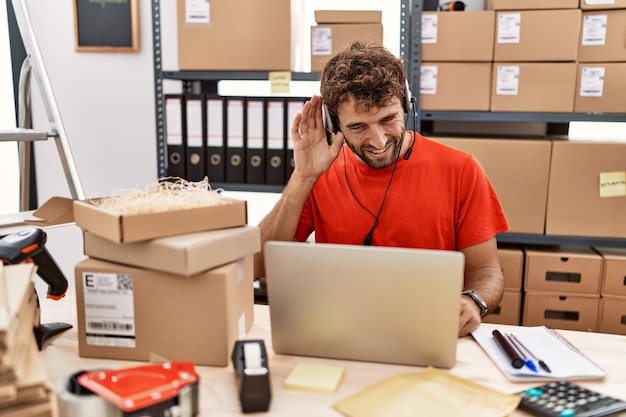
column 410, row 51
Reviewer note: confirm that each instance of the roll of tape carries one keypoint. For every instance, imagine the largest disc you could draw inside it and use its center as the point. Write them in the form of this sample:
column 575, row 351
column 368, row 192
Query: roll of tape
column 76, row 401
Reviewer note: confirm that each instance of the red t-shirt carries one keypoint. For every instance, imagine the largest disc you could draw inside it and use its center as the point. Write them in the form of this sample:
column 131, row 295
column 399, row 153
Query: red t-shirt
column 440, row 198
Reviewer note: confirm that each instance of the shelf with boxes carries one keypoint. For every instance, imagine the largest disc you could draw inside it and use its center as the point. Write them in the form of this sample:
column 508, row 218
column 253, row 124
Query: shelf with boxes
column 523, row 63
column 521, row 167
column 564, row 287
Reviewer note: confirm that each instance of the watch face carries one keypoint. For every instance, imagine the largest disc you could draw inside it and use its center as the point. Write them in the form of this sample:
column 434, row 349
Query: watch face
column 479, row 302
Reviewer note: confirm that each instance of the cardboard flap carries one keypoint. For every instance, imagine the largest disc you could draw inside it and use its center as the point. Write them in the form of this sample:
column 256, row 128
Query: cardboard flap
column 57, row 210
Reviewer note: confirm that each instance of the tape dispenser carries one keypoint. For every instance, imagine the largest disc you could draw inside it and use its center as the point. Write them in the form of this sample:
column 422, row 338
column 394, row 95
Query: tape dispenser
column 158, row 390
column 253, row 376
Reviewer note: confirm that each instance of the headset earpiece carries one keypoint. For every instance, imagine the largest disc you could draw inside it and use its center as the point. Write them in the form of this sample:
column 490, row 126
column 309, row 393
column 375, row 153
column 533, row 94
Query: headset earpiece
column 408, row 98
column 329, row 123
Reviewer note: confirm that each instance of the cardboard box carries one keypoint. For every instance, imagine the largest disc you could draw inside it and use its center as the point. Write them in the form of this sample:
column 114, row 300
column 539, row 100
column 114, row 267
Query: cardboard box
column 186, row 254
column 603, row 36
column 466, row 36
column 537, row 35
column 600, row 88
column 518, row 170
column 337, row 28
column 509, row 311
column 613, row 271
column 138, row 227
column 562, row 269
column 561, row 311
column 157, row 316
column 511, row 259
column 235, row 35
column 613, row 315
column 533, row 86
column 531, row 4
column 604, row 4
column 455, row 86
column 587, row 192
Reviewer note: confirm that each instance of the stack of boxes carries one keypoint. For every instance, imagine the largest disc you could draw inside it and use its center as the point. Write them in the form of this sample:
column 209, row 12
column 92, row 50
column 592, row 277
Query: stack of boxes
column 512, row 263
column 562, row 287
column 457, row 50
column 612, row 314
column 169, row 286
column 535, row 50
column 337, row 28
column 602, row 57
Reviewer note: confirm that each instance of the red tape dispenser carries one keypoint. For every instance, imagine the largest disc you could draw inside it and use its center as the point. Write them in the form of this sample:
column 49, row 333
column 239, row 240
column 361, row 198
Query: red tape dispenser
column 167, row 389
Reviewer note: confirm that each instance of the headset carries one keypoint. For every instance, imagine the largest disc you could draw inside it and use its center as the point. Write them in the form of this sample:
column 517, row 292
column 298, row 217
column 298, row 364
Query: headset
column 331, row 125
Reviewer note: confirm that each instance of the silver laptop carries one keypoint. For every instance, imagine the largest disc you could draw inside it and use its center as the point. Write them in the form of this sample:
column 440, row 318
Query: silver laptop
column 365, row 303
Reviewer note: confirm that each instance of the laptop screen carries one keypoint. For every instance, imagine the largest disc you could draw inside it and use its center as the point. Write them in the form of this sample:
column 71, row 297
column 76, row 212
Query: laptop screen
column 367, row 303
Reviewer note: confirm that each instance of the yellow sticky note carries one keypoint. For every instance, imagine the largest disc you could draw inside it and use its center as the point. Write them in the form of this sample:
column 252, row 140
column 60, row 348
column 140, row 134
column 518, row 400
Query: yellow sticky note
column 313, row 377
column 279, row 80
column 613, row 184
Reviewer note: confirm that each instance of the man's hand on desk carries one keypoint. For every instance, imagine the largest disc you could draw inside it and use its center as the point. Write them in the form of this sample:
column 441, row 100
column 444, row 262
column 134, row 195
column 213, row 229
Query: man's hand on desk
column 470, row 316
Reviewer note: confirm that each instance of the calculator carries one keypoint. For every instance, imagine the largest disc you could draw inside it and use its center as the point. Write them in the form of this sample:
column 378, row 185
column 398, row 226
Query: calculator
column 565, row 399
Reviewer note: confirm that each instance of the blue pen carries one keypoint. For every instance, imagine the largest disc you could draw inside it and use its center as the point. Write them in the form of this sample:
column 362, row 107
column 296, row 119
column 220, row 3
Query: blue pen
column 527, row 361
column 543, row 365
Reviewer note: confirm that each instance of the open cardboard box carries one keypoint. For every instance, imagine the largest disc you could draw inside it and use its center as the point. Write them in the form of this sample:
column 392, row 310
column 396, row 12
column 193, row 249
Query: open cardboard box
column 138, row 227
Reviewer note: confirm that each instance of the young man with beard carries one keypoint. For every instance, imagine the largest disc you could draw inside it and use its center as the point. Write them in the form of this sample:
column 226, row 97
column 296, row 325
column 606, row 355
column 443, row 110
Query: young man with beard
column 374, row 182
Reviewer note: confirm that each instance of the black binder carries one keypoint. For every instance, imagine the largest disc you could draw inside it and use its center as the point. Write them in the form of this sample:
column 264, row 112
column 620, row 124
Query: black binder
column 275, row 141
column 254, row 132
column 194, row 131
column 294, row 106
column 176, row 158
column 215, row 154
column 235, row 163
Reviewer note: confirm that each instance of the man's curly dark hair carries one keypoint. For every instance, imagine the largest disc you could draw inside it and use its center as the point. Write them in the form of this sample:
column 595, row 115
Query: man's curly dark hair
column 367, row 72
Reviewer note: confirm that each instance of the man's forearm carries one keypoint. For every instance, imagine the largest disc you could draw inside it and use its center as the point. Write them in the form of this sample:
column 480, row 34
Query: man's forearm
column 281, row 223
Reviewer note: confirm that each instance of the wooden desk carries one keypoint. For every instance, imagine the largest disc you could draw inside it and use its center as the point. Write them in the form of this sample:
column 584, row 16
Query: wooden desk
column 218, row 392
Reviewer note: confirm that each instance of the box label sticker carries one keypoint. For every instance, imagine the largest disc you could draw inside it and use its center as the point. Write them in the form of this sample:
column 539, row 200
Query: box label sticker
column 322, row 41
column 592, row 81
column 109, row 309
column 509, row 27
column 197, row 11
column 599, row 2
column 429, row 28
column 594, row 30
column 428, row 79
column 507, row 81
column 613, row 184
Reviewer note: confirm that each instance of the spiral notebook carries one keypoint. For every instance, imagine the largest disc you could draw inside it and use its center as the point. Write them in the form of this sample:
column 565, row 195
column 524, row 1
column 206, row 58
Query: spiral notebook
column 564, row 360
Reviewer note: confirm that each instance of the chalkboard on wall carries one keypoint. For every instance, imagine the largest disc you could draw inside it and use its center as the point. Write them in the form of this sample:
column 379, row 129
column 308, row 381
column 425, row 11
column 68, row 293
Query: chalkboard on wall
column 106, row 25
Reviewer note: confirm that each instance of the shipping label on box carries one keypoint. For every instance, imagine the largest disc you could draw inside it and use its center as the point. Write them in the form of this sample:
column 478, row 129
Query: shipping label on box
column 131, row 313
column 602, row 4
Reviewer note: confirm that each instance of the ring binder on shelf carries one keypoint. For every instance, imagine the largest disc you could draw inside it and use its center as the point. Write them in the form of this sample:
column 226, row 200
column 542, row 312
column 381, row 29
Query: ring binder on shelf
column 235, row 164
column 254, row 141
column 215, row 155
column 275, row 163
column 194, row 132
column 176, row 157
column 294, row 106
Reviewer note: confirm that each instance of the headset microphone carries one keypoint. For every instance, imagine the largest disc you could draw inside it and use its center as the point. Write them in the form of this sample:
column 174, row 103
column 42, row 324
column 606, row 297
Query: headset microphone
column 407, row 154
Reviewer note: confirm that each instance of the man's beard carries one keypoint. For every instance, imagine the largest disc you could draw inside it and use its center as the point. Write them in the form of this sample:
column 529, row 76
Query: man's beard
column 395, row 145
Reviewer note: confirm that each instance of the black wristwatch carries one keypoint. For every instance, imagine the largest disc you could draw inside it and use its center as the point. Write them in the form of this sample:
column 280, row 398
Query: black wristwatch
column 479, row 302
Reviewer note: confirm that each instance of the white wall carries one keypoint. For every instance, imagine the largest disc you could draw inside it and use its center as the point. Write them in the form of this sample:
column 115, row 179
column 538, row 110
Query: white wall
column 106, row 102
column 8, row 150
